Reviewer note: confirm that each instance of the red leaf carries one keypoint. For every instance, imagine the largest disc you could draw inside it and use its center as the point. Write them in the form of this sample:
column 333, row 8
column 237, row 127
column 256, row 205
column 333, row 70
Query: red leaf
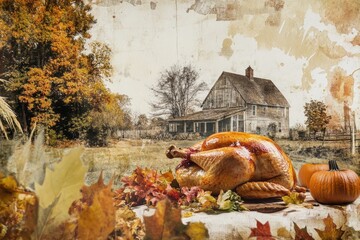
column 262, row 231
column 302, row 234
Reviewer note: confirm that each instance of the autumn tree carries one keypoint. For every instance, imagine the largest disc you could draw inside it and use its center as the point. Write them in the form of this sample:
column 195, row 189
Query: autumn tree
column 176, row 91
column 51, row 74
column 317, row 118
column 107, row 120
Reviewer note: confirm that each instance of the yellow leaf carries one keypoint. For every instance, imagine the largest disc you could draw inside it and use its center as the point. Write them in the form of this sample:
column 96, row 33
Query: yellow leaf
column 59, row 189
column 8, row 184
column 186, row 214
column 294, row 198
column 166, row 224
column 197, row 231
column 283, row 233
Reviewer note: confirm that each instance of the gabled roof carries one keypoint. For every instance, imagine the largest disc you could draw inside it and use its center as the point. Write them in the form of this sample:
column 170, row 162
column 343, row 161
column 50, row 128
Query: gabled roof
column 209, row 114
column 255, row 90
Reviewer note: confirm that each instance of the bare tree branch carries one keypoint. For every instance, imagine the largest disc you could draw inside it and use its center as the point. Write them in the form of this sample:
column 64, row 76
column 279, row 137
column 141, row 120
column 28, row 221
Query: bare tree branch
column 176, row 91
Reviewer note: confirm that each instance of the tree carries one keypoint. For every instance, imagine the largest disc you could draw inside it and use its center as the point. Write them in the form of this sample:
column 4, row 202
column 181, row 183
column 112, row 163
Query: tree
column 176, row 91
column 317, row 118
column 51, row 78
column 142, row 122
column 106, row 120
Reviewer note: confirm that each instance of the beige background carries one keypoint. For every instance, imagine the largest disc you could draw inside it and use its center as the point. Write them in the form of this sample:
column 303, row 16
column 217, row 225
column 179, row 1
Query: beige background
column 300, row 45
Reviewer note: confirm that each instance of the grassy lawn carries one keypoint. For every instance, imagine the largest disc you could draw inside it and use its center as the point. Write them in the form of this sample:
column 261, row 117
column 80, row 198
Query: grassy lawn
column 122, row 157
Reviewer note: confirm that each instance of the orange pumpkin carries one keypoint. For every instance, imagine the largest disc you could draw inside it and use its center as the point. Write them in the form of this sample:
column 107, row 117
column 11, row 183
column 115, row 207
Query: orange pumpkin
column 335, row 186
column 307, row 170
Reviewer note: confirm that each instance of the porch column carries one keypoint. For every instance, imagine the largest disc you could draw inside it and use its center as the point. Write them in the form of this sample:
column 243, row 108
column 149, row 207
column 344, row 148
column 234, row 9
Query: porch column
column 205, row 127
column 231, row 124
column 184, row 127
column 216, row 126
column 194, row 127
column 237, row 122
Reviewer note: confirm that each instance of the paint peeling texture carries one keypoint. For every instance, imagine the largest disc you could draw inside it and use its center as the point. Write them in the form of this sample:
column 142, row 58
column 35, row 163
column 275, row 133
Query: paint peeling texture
column 229, row 10
column 343, row 14
column 342, row 86
column 308, row 47
column 114, row 2
column 226, row 50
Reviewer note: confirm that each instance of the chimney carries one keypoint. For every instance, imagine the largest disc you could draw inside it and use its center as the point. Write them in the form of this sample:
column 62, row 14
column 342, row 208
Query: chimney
column 249, row 72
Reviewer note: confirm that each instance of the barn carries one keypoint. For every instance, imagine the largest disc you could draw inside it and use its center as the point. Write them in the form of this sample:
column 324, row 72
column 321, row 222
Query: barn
column 238, row 103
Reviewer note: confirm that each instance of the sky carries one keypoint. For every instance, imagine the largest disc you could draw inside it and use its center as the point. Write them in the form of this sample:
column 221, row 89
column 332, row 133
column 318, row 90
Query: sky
column 309, row 49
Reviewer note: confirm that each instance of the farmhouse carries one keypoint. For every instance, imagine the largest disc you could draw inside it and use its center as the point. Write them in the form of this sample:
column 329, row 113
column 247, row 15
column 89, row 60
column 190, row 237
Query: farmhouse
column 238, row 103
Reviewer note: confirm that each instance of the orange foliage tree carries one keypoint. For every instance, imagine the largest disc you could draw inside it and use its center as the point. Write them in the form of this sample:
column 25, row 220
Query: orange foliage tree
column 48, row 74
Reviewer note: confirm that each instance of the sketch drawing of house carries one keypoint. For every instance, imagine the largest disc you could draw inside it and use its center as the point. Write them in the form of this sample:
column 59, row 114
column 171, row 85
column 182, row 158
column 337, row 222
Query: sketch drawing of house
column 241, row 103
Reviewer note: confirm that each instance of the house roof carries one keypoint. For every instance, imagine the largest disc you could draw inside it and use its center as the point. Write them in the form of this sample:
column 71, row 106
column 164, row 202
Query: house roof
column 209, row 114
column 256, row 90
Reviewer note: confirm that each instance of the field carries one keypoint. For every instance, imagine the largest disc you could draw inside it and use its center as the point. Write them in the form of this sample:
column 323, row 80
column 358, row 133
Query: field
column 122, row 157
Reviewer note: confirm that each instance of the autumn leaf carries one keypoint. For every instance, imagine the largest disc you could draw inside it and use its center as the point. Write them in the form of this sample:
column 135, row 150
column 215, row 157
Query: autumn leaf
column 146, row 186
column 18, row 210
column 330, row 232
column 294, row 198
column 197, row 231
column 8, row 183
column 283, row 233
column 302, row 234
column 93, row 216
column 230, row 201
column 98, row 220
column 262, row 231
column 128, row 225
column 166, row 224
column 61, row 186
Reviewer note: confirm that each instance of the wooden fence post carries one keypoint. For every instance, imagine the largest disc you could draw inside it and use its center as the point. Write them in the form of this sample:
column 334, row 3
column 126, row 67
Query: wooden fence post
column 353, row 134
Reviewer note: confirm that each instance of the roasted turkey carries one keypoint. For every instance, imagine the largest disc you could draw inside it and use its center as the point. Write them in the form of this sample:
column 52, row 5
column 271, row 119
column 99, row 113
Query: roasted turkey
column 252, row 165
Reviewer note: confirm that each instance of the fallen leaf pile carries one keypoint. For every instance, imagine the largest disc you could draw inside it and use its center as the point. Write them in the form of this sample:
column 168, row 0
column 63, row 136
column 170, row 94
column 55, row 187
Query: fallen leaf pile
column 18, row 210
column 63, row 208
column 147, row 186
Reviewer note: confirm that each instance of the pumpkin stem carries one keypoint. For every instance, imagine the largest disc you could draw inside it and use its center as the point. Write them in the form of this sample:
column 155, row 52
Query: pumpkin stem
column 333, row 166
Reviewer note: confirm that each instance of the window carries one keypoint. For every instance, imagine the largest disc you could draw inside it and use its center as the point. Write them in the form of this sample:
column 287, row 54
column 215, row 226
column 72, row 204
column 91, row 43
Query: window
column 254, row 110
column 279, row 126
column 172, row 127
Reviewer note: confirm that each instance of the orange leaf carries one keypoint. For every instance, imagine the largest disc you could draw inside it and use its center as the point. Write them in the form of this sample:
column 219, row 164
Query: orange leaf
column 95, row 212
column 165, row 223
column 302, row 234
column 262, row 231
column 330, row 232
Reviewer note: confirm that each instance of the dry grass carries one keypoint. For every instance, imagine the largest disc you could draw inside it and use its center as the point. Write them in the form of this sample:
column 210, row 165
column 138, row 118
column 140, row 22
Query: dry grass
column 122, row 157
